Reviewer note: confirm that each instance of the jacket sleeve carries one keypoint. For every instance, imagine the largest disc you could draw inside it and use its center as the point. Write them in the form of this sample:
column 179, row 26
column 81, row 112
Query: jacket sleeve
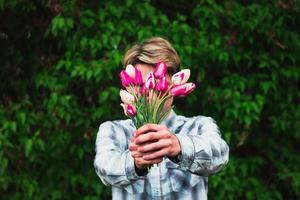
column 203, row 151
column 113, row 162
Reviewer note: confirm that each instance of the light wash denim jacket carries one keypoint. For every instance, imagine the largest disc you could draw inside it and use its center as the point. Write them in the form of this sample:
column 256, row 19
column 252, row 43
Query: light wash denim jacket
column 203, row 152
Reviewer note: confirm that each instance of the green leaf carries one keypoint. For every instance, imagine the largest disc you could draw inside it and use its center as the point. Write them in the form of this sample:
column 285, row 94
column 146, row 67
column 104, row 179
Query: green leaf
column 28, row 147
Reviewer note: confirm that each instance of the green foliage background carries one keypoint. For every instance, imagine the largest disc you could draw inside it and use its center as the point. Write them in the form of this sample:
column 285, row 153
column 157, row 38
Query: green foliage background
column 59, row 80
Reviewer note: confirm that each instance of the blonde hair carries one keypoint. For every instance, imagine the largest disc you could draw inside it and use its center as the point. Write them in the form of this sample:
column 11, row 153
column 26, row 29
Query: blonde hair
column 152, row 51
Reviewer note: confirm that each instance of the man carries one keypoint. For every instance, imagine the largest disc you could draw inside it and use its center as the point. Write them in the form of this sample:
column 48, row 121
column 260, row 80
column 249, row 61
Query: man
column 186, row 149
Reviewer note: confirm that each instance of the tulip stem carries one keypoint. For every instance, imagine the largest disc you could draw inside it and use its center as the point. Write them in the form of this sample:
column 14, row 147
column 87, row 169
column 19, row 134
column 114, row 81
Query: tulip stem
column 133, row 92
column 157, row 98
column 151, row 104
column 162, row 97
column 168, row 90
column 162, row 101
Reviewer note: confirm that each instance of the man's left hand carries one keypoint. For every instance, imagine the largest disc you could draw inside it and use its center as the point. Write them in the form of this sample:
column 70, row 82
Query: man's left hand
column 155, row 141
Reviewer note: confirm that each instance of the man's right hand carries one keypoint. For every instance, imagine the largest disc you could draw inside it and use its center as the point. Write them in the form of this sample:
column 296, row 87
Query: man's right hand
column 138, row 157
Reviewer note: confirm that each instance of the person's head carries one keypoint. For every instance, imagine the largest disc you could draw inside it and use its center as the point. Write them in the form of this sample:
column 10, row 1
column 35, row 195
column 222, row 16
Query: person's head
column 152, row 51
column 145, row 55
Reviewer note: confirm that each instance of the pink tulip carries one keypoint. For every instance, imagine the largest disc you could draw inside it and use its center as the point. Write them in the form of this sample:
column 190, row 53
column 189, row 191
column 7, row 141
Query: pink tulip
column 130, row 71
column 125, row 78
column 182, row 90
column 162, row 85
column 181, row 77
column 129, row 110
column 126, row 97
column 160, row 70
column 138, row 77
column 150, row 81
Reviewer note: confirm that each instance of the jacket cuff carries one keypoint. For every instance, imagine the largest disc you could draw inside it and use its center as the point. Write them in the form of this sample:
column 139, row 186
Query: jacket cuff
column 187, row 154
column 130, row 168
column 141, row 172
column 175, row 159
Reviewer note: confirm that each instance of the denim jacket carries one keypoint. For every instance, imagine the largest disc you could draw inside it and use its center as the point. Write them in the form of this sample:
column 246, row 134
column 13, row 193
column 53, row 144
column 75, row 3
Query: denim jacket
column 203, row 152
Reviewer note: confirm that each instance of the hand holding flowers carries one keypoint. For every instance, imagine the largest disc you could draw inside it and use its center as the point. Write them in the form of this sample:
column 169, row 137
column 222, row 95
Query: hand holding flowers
column 151, row 143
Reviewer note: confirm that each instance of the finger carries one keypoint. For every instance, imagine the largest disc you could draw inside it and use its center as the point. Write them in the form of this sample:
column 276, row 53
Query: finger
column 136, row 154
column 132, row 139
column 141, row 161
column 132, row 147
column 161, row 153
column 148, row 138
column 149, row 147
column 151, row 136
column 149, row 127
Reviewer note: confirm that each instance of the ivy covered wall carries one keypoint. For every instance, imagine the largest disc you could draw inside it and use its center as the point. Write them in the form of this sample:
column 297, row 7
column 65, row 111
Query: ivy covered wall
column 59, row 80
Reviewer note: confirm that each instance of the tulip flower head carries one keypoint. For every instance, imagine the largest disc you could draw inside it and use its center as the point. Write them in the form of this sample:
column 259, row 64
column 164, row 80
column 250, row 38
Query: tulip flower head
column 130, row 70
column 150, row 81
column 160, row 70
column 138, row 77
column 143, row 101
column 182, row 90
column 125, row 78
column 129, row 110
column 162, row 85
column 181, row 77
column 126, row 97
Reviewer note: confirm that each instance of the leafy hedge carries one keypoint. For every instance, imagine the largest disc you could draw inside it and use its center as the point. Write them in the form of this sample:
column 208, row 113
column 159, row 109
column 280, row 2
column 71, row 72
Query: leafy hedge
column 60, row 61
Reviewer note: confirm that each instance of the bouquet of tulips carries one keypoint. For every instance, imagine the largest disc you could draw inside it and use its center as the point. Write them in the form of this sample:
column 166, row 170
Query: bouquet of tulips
column 143, row 101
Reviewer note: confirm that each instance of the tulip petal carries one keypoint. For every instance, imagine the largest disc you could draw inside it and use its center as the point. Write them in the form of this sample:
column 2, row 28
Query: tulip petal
column 124, row 108
column 126, row 97
column 162, row 85
column 160, row 70
column 130, row 71
column 138, row 77
column 125, row 79
column 181, row 77
column 182, row 90
column 150, row 81
column 178, row 90
column 131, row 110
